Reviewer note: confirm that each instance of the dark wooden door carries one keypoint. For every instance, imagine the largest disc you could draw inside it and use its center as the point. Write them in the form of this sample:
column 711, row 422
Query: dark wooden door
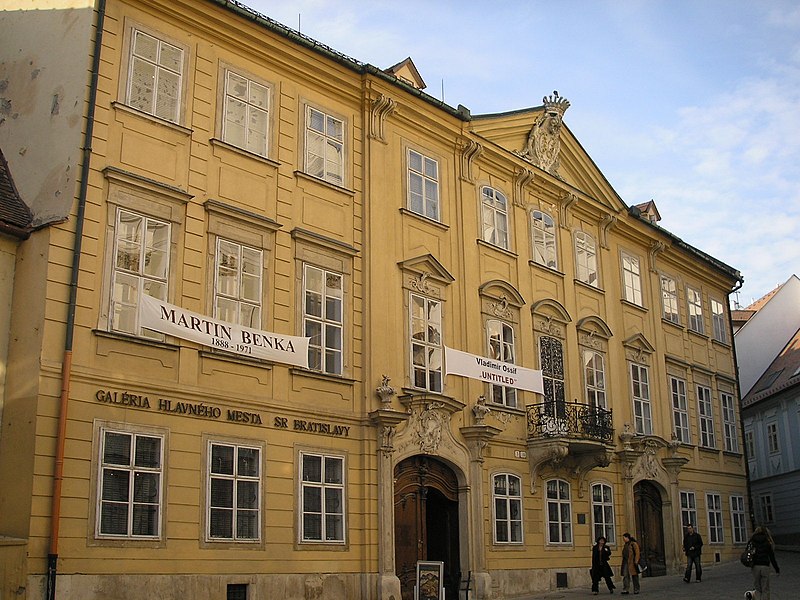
column 650, row 527
column 426, row 521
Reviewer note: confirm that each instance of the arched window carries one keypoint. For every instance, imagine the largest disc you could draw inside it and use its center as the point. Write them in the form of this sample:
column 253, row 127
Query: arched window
column 543, row 234
column 501, row 348
column 494, row 208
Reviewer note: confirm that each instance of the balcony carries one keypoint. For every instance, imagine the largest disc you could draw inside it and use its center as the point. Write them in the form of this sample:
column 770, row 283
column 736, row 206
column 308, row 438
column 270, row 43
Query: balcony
column 568, row 438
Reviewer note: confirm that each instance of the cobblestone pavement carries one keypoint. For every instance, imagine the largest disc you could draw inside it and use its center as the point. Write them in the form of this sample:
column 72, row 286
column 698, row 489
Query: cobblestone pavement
column 727, row 581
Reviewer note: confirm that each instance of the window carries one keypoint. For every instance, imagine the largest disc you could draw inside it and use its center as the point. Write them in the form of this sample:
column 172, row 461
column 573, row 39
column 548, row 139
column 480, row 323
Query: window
column 544, row 239
column 236, row 591
column 324, row 146
column 426, row 343
column 680, row 409
column 714, row 508
column 595, row 378
column 640, row 390
column 234, row 492
column 772, row 438
column 705, row 410
column 501, row 348
column 749, row 444
column 669, row 299
column 559, row 512
column 322, row 498
column 688, row 509
column 155, row 77
column 718, row 321
column 586, row 258
column 246, row 118
column 423, row 185
column 494, row 208
column 738, row 523
column 507, row 509
column 729, row 422
column 237, row 287
column 603, row 512
column 322, row 318
column 551, row 356
column 631, row 279
column 131, row 467
column 141, row 266
column 765, row 504
column 695, row 303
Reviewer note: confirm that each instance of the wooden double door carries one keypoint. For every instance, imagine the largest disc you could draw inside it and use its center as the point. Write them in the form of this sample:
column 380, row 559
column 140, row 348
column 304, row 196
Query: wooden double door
column 650, row 527
column 426, row 521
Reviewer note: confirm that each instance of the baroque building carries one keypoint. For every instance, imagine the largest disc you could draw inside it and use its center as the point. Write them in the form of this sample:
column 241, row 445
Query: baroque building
column 253, row 266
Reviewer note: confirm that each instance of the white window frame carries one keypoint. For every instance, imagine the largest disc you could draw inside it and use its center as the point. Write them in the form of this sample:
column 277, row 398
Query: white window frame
column 559, row 512
column 501, row 348
column 328, row 139
column 507, row 509
column 423, row 183
column 586, row 259
column 694, row 302
column 669, row 300
column 135, row 474
column 716, row 531
column 773, row 439
column 631, row 279
column 738, row 520
column 245, row 282
column 680, row 410
column 240, row 482
column 155, row 284
column 325, row 351
column 750, row 444
column 719, row 329
column 494, row 215
column 705, row 416
column 254, row 102
column 162, row 72
column 729, row 429
column 766, row 508
column 429, row 351
column 602, row 500
column 325, row 486
column 640, row 393
column 543, row 234
column 688, row 509
column 594, row 377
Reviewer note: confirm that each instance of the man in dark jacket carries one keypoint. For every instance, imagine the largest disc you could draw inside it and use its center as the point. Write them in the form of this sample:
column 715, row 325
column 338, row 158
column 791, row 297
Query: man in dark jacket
column 692, row 548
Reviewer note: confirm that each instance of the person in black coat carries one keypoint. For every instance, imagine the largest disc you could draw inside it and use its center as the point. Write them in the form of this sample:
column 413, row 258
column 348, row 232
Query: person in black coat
column 600, row 567
column 764, row 557
column 692, row 548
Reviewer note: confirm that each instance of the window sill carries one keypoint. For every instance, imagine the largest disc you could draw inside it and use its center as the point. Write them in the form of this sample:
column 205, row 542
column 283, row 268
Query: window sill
column 638, row 307
column 698, row 333
column 717, row 342
column 333, row 186
column 127, row 337
column 236, row 358
column 178, row 128
column 410, row 213
column 589, row 286
column 552, row 270
column 321, row 375
column 675, row 324
column 496, row 248
column 242, row 152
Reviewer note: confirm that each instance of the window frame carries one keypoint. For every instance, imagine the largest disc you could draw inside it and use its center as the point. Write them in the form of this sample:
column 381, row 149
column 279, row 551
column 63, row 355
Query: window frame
column 586, row 263
column 773, row 438
column 594, row 385
column 688, row 501
column 508, row 500
column 738, row 519
column 716, row 529
column 335, row 177
column 632, row 279
column 560, row 503
column 705, row 416
column 642, row 401
column 608, row 527
column 694, row 303
column 237, row 297
column 324, row 321
column 435, row 347
column 680, row 410
column 729, row 428
column 669, row 300
column 718, row 321
column 225, row 73
column 324, row 486
column 494, row 208
column 766, row 508
column 544, row 242
column 425, row 179
column 750, row 443
column 507, row 395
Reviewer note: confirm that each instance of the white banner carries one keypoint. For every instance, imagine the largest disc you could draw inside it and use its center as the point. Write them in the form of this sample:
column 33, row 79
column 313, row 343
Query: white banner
column 174, row 320
column 492, row 371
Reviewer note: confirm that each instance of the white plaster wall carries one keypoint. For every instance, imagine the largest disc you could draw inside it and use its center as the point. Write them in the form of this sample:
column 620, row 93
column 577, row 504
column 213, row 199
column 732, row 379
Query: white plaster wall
column 760, row 340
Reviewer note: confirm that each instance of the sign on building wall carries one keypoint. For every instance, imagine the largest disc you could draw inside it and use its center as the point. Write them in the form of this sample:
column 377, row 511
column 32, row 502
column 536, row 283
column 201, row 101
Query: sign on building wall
column 173, row 320
column 492, row 371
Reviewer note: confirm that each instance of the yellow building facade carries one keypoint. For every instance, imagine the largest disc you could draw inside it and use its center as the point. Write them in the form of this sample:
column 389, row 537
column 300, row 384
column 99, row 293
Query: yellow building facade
column 269, row 192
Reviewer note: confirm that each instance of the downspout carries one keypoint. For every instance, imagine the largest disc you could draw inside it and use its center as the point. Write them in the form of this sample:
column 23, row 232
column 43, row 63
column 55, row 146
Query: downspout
column 66, row 364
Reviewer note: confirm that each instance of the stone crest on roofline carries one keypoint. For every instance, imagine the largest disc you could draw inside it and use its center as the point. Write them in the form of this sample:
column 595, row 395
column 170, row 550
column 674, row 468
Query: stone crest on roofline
column 544, row 142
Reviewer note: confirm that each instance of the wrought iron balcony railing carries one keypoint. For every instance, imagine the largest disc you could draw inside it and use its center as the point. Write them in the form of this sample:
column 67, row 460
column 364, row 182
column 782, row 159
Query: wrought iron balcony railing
column 569, row 420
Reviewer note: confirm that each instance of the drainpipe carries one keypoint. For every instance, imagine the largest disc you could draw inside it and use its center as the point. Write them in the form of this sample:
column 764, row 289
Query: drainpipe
column 66, row 364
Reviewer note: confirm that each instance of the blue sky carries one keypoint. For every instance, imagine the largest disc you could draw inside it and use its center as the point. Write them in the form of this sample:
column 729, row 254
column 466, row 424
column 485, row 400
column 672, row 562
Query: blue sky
column 694, row 104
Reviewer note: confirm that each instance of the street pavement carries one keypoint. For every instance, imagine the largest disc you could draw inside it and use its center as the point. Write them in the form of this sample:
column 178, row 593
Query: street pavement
column 727, row 581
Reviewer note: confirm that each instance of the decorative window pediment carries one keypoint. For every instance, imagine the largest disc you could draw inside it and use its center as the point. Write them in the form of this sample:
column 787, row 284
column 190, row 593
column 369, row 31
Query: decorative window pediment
column 501, row 299
column 638, row 349
column 593, row 332
column 550, row 317
column 425, row 274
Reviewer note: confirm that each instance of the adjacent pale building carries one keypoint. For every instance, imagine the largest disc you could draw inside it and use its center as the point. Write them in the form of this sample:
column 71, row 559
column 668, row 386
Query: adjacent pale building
column 314, row 235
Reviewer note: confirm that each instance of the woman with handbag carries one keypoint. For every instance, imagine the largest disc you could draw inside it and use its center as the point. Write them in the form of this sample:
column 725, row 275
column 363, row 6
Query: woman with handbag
column 763, row 557
column 601, row 553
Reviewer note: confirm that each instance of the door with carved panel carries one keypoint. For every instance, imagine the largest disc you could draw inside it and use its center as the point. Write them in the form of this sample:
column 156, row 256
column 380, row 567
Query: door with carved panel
column 650, row 527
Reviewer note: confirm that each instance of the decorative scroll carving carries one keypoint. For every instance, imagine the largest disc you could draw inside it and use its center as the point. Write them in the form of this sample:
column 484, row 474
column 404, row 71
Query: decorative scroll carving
column 606, row 223
column 640, row 457
column 552, row 454
column 386, row 422
column 567, row 200
column 544, row 142
column 470, row 152
column 500, row 308
column 382, row 107
column 521, row 178
column 385, row 391
column 429, row 428
column 550, row 326
column 420, row 283
column 656, row 248
column 480, row 410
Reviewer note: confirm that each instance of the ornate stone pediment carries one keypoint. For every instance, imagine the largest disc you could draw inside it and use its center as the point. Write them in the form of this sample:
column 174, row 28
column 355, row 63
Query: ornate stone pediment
column 544, row 140
column 428, row 430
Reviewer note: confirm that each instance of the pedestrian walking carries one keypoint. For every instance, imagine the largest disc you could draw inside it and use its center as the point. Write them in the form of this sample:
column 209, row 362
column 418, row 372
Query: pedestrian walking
column 630, row 564
column 692, row 548
column 601, row 553
column 764, row 557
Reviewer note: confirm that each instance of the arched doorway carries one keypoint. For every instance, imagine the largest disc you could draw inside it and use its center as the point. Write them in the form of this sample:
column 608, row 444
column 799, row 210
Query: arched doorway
column 425, row 521
column 650, row 526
